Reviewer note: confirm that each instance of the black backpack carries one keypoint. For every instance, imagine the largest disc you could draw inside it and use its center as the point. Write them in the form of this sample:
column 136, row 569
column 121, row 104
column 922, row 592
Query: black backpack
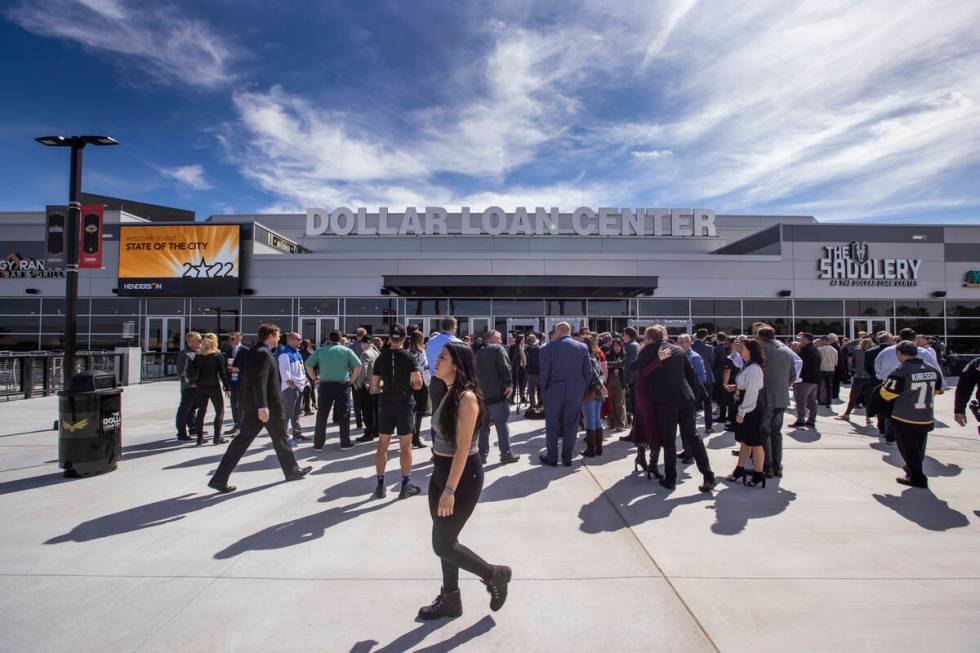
column 595, row 385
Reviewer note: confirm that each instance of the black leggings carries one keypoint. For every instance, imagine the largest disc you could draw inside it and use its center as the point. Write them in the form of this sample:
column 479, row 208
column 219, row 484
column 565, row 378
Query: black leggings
column 212, row 393
column 445, row 530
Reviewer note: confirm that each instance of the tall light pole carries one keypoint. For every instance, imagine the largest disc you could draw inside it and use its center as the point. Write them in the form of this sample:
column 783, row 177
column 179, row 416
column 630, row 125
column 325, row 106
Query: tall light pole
column 77, row 144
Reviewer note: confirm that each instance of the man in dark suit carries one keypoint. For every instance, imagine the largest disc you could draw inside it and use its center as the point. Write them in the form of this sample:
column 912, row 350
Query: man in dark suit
column 237, row 354
column 261, row 406
column 566, row 372
column 674, row 389
column 707, row 353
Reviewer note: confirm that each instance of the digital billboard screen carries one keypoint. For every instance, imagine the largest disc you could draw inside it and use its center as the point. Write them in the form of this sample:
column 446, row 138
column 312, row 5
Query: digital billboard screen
column 179, row 260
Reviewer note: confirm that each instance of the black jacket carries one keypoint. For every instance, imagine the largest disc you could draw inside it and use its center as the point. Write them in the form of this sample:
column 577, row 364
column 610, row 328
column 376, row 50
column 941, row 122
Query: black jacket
column 969, row 379
column 208, row 371
column 673, row 381
column 811, row 364
column 494, row 371
column 262, row 382
column 869, row 359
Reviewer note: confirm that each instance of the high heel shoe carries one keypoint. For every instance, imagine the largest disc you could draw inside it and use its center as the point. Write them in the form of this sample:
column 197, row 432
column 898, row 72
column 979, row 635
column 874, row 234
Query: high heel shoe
column 640, row 462
column 757, row 478
column 737, row 474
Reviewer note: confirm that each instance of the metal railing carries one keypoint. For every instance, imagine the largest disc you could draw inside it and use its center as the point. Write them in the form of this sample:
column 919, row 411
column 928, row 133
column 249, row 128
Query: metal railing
column 24, row 375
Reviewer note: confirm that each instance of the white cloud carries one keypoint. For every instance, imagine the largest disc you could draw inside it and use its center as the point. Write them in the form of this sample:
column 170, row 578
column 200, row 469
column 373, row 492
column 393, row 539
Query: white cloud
column 650, row 154
column 189, row 175
column 167, row 46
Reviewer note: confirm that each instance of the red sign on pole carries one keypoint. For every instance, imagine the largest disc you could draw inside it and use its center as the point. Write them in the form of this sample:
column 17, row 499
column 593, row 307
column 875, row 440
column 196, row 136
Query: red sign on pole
column 90, row 237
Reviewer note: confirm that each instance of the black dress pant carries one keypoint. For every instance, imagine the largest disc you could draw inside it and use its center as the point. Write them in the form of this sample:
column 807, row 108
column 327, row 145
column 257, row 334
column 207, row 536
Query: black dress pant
column 337, row 395
column 250, row 427
column 236, row 404
column 212, row 393
column 445, row 530
column 911, row 440
column 369, row 410
column 670, row 415
column 185, row 411
column 826, row 391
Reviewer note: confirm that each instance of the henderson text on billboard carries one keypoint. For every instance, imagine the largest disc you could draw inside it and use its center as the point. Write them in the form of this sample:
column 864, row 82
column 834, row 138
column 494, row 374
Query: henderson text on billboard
column 851, row 265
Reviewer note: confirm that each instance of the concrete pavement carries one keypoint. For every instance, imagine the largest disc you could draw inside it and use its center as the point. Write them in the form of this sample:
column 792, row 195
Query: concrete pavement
column 834, row 557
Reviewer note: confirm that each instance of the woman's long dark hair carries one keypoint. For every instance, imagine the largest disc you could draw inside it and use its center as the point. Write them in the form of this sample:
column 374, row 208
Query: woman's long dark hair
column 622, row 349
column 466, row 379
column 755, row 351
column 418, row 343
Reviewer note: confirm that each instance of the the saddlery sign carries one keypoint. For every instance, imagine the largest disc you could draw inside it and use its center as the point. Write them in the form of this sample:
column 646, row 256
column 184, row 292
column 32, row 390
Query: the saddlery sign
column 851, row 265
column 495, row 221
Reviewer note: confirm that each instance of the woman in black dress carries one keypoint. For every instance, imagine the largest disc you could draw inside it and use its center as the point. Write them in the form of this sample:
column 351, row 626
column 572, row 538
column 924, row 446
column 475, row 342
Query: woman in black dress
column 748, row 418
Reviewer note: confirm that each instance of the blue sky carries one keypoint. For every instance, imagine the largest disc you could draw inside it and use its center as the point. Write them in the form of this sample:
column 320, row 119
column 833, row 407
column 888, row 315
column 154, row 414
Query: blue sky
column 841, row 110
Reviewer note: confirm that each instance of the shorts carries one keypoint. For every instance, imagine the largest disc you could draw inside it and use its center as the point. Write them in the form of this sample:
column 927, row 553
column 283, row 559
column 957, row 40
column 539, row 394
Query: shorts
column 396, row 415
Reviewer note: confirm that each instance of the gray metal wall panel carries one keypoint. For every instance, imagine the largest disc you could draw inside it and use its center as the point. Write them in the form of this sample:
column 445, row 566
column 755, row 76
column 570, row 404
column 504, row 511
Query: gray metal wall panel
column 963, row 252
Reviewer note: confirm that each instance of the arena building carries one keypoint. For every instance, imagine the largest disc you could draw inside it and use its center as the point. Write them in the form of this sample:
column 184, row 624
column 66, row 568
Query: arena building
column 163, row 273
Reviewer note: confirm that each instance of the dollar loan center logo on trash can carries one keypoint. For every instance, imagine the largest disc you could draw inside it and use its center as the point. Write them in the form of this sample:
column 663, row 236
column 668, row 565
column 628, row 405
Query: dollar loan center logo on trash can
column 113, row 421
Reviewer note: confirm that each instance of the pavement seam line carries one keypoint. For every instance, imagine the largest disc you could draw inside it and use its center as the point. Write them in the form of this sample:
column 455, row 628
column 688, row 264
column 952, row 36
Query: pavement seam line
column 653, row 561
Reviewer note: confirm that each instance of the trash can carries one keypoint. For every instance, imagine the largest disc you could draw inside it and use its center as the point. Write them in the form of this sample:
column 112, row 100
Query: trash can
column 89, row 424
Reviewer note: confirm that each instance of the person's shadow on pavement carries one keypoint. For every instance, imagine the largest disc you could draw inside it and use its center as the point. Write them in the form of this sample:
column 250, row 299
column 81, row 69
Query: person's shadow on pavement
column 922, row 507
column 735, row 506
column 409, row 640
column 148, row 515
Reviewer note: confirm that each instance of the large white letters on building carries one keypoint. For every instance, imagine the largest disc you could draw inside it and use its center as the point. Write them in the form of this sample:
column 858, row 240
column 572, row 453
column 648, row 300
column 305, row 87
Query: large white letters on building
column 495, row 221
column 850, row 265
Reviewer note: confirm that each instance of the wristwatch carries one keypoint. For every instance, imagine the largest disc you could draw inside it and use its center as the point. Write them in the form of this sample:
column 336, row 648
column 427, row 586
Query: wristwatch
column 450, row 490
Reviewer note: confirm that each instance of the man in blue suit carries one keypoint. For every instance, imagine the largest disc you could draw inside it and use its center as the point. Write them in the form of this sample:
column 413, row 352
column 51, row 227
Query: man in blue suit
column 566, row 372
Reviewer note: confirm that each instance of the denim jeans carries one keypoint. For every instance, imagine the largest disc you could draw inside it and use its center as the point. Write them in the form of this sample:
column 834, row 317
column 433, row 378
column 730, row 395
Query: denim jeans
column 591, row 409
column 498, row 413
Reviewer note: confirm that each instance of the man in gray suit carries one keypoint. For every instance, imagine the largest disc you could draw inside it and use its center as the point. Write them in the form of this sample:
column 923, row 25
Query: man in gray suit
column 566, row 372
column 779, row 376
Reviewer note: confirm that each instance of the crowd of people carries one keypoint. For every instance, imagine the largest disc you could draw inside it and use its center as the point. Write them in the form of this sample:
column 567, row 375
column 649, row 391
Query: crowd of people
column 653, row 386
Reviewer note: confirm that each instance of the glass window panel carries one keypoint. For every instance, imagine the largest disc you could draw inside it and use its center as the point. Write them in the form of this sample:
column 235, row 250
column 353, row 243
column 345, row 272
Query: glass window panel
column 20, row 306
column 209, row 305
column 53, row 306
column 926, row 327
column 371, row 306
column 204, row 323
column 609, row 307
column 818, row 326
column 52, row 341
column 267, row 306
column 662, row 307
column 375, row 325
column 115, row 306
column 619, row 324
column 565, row 307
column 318, row 306
column 963, row 345
column 109, row 341
column 427, row 306
column 600, row 324
column 18, row 341
column 731, row 326
column 468, row 307
column 21, row 323
column 518, row 307
column 963, row 327
column 56, row 323
column 780, row 324
column 164, row 306
column 249, row 326
column 108, row 323
column 819, row 307
column 716, row 307
column 919, row 309
column 766, row 307
column 963, row 309
column 871, row 308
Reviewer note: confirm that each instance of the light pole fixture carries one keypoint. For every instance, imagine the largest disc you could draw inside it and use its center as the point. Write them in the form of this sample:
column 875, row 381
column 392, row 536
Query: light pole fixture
column 77, row 144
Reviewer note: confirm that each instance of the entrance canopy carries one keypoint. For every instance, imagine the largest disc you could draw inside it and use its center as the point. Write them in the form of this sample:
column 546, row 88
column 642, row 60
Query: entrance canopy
column 518, row 286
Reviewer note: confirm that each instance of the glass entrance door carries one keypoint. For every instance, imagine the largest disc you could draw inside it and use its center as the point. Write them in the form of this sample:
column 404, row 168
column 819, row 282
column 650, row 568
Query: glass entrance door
column 425, row 324
column 316, row 329
column 164, row 340
column 871, row 326
column 478, row 326
column 522, row 326
column 674, row 327
column 164, row 334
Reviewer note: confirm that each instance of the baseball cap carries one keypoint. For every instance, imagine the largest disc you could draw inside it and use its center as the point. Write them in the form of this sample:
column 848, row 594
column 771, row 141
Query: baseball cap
column 397, row 332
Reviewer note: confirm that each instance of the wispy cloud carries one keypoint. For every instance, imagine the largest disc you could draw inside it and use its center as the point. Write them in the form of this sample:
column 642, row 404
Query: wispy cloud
column 650, row 155
column 189, row 175
column 166, row 45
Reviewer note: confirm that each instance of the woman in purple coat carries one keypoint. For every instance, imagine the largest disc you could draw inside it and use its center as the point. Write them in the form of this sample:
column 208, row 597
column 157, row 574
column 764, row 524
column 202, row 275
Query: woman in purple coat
column 645, row 433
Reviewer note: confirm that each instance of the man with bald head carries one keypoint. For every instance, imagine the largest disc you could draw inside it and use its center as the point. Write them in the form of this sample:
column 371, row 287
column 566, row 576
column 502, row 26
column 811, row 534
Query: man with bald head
column 566, row 372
